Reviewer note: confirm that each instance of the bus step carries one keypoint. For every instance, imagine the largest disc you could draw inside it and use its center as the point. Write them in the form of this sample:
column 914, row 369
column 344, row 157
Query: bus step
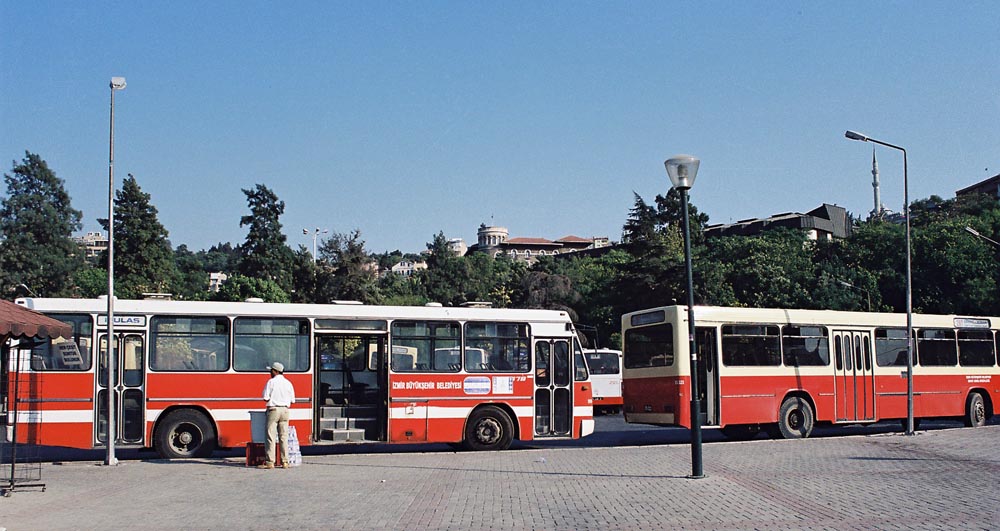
column 342, row 435
column 329, row 412
column 344, row 423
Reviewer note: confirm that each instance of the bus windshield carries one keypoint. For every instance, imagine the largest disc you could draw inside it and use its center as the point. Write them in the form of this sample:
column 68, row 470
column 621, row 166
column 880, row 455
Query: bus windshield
column 603, row 362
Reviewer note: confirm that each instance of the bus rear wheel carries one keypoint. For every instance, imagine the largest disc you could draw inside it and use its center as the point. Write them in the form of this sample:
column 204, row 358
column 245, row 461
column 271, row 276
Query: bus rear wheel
column 975, row 411
column 185, row 433
column 489, row 428
column 795, row 418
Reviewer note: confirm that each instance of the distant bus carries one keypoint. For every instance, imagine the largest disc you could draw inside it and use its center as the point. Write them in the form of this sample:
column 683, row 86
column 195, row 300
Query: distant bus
column 605, row 367
column 784, row 371
column 188, row 374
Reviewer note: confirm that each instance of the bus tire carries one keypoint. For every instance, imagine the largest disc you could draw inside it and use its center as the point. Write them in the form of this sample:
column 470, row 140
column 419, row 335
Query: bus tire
column 741, row 432
column 185, row 433
column 795, row 418
column 489, row 428
column 975, row 411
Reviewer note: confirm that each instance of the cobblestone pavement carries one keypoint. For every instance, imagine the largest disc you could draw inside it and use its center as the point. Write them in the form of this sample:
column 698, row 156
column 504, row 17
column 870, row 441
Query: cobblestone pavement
column 941, row 479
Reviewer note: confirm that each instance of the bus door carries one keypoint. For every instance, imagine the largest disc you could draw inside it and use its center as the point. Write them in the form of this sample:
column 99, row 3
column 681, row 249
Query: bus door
column 855, row 381
column 708, row 375
column 352, row 375
column 553, row 388
column 128, row 385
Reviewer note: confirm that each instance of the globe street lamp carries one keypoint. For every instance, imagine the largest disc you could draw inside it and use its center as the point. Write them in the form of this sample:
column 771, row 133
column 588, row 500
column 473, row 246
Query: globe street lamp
column 315, row 235
column 682, row 170
column 117, row 83
column 909, row 277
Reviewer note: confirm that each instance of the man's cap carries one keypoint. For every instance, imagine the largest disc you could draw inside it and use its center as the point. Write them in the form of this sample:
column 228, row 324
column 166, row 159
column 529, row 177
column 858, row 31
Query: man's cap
column 277, row 366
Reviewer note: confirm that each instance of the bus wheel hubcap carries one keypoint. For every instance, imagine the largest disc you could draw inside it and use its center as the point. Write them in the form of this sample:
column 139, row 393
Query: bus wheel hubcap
column 489, row 431
column 184, row 438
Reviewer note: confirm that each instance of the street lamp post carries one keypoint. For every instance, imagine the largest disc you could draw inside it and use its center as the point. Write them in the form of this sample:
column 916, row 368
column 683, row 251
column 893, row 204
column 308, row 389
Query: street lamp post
column 973, row 232
column 847, row 284
column 909, row 276
column 315, row 234
column 682, row 170
column 117, row 83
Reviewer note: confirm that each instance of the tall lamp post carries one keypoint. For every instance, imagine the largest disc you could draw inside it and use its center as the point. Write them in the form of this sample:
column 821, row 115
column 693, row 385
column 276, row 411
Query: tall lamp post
column 117, row 83
column 315, row 234
column 682, row 170
column 909, row 277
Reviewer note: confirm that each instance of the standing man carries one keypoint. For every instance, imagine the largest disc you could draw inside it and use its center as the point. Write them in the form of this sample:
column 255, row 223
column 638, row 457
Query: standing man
column 280, row 395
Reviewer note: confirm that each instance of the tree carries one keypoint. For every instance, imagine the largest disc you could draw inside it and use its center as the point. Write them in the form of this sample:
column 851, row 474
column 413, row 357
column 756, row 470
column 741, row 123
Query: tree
column 91, row 281
column 345, row 271
column 304, row 273
column 219, row 258
column 654, row 273
column 144, row 260
column 552, row 292
column 240, row 288
column 192, row 279
column 399, row 290
column 446, row 276
column 769, row 270
column 264, row 254
column 594, row 279
column 36, row 227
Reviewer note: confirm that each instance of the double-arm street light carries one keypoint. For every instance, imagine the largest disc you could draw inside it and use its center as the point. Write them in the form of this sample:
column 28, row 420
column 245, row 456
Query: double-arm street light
column 117, row 83
column 909, row 277
column 682, row 170
column 315, row 235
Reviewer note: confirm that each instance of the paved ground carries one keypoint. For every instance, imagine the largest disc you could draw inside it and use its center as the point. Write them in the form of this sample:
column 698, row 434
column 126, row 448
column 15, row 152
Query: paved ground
column 939, row 479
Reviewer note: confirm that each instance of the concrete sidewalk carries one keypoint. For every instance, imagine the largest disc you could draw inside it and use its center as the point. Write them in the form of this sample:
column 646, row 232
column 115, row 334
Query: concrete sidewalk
column 942, row 479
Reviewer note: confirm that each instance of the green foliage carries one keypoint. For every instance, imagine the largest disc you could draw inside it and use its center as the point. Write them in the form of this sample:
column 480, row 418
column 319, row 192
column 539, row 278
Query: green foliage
column 304, row 273
column 553, row 292
column 91, row 282
column 192, row 279
column 446, row 276
column 345, row 271
column 144, row 261
column 240, row 288
column 772, row 270
column 36, row 227
column 264, row 253
column 397, row 290
column 594, row 279
column 654, row 273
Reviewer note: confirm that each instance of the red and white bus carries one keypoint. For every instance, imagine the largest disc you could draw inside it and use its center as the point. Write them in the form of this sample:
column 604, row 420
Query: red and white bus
column 189, row 374
column 605, row 366
column 786, row 370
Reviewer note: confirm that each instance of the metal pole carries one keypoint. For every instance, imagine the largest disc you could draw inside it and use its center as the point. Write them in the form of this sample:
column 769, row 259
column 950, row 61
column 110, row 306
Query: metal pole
column 697, row 470
column 909, row 301
column 110, row 459
column 909, row 276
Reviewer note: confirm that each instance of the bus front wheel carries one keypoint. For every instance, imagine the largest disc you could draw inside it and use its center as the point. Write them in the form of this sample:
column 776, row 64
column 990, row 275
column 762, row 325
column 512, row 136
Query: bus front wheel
column 185, row 433
column 489, row 428
column 795, row 418
column 975, row 411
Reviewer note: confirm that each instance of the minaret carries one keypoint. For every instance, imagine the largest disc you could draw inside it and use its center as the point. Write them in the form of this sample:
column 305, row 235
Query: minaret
column 877, row 211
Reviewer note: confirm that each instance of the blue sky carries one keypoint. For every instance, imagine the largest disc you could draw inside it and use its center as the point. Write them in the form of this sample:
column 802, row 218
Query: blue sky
column 403, row 119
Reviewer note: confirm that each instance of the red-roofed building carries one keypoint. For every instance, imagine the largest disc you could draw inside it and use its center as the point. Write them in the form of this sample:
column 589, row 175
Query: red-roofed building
column 495, row 240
